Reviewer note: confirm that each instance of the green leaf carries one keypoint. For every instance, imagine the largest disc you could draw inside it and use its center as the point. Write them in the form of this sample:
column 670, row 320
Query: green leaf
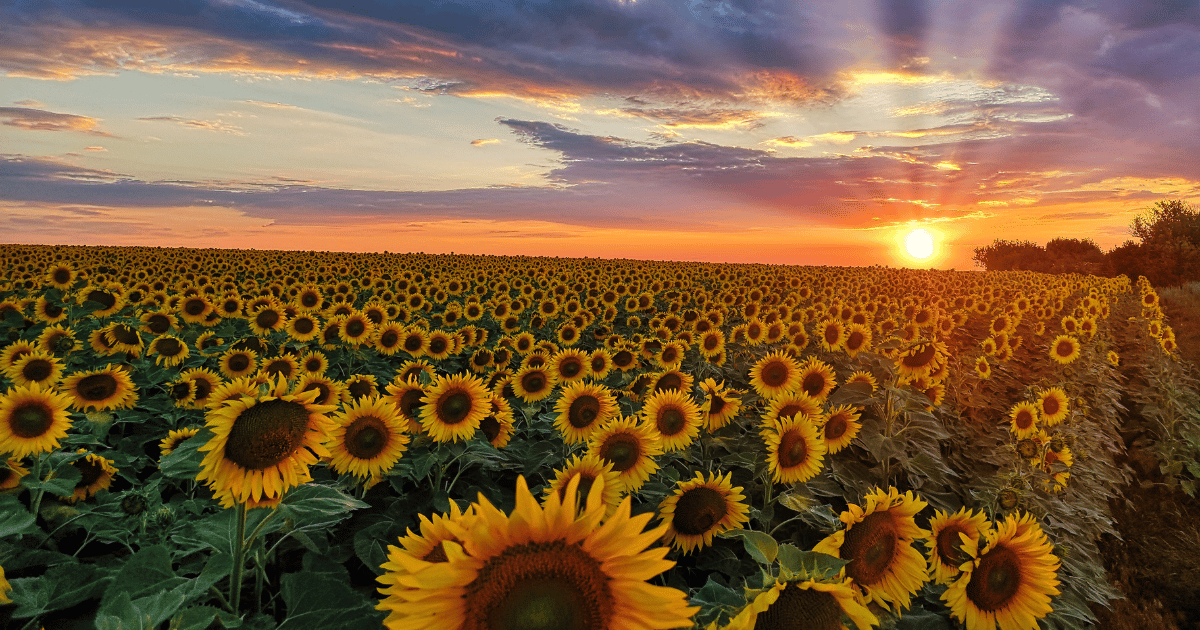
column 316, row 600
column 760, row 545
column 146, row 572
column 315, row 505
column 14, row 518
column 716, row 602
column 184, row 461
column 145, row 613
column 198, row 618
column 61, row 587
column 807, row 565
column 213, row 532
column 62, row 483
column 369, row 545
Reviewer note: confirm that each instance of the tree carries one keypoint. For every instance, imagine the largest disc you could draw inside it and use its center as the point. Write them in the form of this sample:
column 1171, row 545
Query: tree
column 1170, row 242
column 1005, row 255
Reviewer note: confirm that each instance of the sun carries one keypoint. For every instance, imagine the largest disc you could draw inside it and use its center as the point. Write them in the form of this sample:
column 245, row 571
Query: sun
column 919, row 244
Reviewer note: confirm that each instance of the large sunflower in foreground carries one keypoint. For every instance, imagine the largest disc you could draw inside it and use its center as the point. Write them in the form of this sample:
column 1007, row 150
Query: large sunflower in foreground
column 35, row 367
column 877, row 542
column 453, row 407
column 425, row 547
column 1009, row 582
column 32, row 420
column 630, row 447
column 367, row 439
column 807, row 605
column 700, row 509
column 795, row 450
column 581, row 409
column 945, row 543
column 263, row 446
column 543, row 566
column 107, row 388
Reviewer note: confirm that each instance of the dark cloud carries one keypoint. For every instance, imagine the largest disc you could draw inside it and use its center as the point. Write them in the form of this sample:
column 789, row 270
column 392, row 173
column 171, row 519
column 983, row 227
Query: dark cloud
column 905, row 23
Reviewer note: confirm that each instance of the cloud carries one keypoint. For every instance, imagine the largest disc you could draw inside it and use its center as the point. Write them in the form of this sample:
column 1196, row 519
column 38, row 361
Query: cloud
column 95, row 149
column 42, row 120
column 484, row 141
column 208, row 125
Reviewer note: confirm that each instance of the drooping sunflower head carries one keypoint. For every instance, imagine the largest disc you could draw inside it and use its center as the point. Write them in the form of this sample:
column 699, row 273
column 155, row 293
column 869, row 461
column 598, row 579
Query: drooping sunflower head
column 497, row 426
column 590, row 470
column 367, row 439
column 453, row 407
column 863, row 377
column 720, row 404
column 583, row 408
column 775, row 375
column 701, row 508
column 792, row 404
column 921, row 358
column 33, row 419
column 174, row 438
column 807, row 605
column 107, row 388
column 945, row 543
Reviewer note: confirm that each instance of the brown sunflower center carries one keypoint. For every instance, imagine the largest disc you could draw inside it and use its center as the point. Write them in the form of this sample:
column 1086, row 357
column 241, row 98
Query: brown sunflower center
column 1050, row 405
column 583, row 411
column 833, row 333
column 622, row 450
column 410, row 402
column 585, row 486
column 267, row 318
column 711, row 342
column 51, row 309
column 920, row 358
column 533, row 382
column 716, row 405
column 126, row 335
column 454, row 407
column 671, row 421
column 412, row 343
column 309, row 299
column 304, row 325
column 103, row 298
column 623, row 358
column 698, row 510
column 539, row 586
column 37, row 370
column 870, row 546
column 31, row 419
column 670, row 380
column 90, row 472
column 855, row 340
column 793, row 450
column 194, row 307
column 437, row 554
column 775, row 374
column 836, row 427
column 801, row 609
column 182, row 391
column 356, row 327
column 97, row 387
column 168, row 347
column 203, row 388
column 62, row 276
column 366, row 437
column 949, row 545
column 438, row 345
column 313, row 364
column 570, row 368
column 1024, row 419
column 813, row 384
column 1064, row 348
column 266, row 434
column 995, row 580
column 280, row 367
column 239, row 362
column 360, row 388
column 490, row 427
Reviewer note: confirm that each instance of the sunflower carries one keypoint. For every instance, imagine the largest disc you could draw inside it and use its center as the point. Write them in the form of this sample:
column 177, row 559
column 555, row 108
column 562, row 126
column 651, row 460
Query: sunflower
column 359, row 386
column 804, row 604
column 32, row 420
column 497, row 426
column 816, row 378
column 174, row 438
column 1009, row 582
column 303, row 327
column 674, row 417
column 107, row 388
column 790, row 405
column 11, row 473
column 314, row 362
column 833, row 334
column 168, row 350
column 367, row 438
column 700, row 509
column 670, row 379
column 329, row 391
column 921, row 359
column 670, row 357
column 581, row 410
column 262, row 446
column 35, row 367
column 267, row 319
column 204, row 383
column 425, row 547
column 569, row 366
column 532, row 384
column 209, row 344
column 407, row 395
column 1053, row 406
column 50, row 312
column 96, row 474
column 945, row 543
column 1024, row 418
column 630, row 447
column 123, row 338
column 982, row 368
column 877, row 542
column 238, row 363
column 624, row 359
column 441, row 345
column 61, row 275
column 1114, row 359
column 283, row 365
column 840, row 428
column 795, row 450
column 356, row 329
column 539, row 565
column 589, row 470
column 712, row 343
column 720, row 404
column 775, row 375
column 1064, row 349
column 110, row 300
column 55, row 340
column 229, row 306
column 599, row 363
column 453, row 407
column 858, row 339
column 195, row 309
column 863, row 377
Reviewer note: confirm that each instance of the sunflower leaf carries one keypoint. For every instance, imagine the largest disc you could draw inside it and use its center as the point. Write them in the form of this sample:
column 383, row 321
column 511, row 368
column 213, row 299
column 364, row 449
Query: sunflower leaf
column 809, row 565
column 760, row 545
column 16, row 519
column 62, row 482
column 316, row 600
column 314, row 505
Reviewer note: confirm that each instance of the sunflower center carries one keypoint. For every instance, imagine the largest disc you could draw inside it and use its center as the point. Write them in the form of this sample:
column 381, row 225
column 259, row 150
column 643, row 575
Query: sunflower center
column 267, row 318
column 412, row 343
column 37, row 370
column 585, row 486
column 304, row 325
column 194, row 307
column 1064, row 348
column 623, row 450
column 949, row 545
column 836, row 427
column 533, row 382
column 356, row 327
column 996, row 580
column 539, row 586
column 490, row 427
column 583, row 411
column 52, row 310
column 203, row 388
column 711, row 342
column 1024, row 419
column 366, row 437
column 454, row 408
column 389, row 338
column 813, row 384
column 716, row 405
column 793, row 451
column 358, row 389
column 671, row 421
column 570, row 368
column 181, row 391
column 775, row 374
column 89, row 471
column 267, row 434
column 62, row 276
column 239, row 362
column 103, row 298
column 31, row 420
column 437, row 345
column 855, row 340
column 870, row 546
column 97, row 387
column 832, row 334
column 920, row 358
column 168, row 347
column 1050, row 405
column 410, row 402
column 126, row 335
column 437, row 554
column 801, row 609
column 623, row 358
column 698, row 510
column 670, row 380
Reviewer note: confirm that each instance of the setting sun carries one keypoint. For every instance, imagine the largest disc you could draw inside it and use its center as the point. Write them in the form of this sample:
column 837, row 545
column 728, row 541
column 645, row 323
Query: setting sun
column 919, row 243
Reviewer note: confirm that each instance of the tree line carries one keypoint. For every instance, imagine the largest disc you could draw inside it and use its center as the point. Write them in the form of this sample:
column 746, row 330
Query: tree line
column 1166, row 249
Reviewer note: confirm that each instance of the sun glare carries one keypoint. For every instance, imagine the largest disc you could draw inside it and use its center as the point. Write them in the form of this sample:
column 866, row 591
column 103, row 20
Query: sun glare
column 919, row 244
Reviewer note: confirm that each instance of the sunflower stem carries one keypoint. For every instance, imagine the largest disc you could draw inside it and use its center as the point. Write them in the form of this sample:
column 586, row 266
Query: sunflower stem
column 239, row 559
column 39, row 493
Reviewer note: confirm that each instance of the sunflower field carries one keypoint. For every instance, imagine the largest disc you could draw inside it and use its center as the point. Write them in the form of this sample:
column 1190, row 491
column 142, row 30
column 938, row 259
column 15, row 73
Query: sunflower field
column 203, row 439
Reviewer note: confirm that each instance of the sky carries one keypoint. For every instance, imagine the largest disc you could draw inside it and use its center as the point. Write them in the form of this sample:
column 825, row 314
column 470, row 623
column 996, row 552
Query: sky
column 766, row 131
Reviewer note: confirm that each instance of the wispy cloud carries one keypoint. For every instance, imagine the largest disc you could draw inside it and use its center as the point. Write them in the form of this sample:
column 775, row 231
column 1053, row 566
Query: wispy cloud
column 207, row 125
column 484, row 141
column 42, row 120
